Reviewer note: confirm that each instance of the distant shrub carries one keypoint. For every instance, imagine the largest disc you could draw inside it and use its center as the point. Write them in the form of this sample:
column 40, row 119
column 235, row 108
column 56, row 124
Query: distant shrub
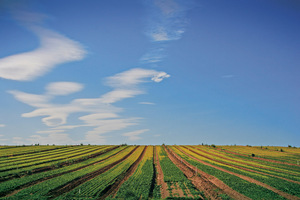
column 214, row 146
column 253, row 155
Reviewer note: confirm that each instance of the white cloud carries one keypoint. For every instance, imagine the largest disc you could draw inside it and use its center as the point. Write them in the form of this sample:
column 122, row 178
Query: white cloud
column 63, row 88
column 134, row 135
column 99, row 112
column 2, row 125
column 160, row 76
column 54, row 49
column 119, row 94
column 135, row 76
column 33, row 100
column 160, row 35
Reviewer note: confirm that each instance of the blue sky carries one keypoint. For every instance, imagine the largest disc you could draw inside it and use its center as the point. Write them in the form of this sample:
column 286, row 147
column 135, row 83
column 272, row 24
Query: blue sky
column 150, row 72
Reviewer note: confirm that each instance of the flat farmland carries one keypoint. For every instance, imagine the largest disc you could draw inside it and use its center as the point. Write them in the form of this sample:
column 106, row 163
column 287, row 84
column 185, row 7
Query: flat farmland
column 149, row 172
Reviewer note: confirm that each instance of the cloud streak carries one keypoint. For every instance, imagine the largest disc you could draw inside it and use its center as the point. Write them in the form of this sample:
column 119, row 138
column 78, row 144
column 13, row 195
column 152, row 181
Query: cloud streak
column 102, row 114
column 167, row 23
column 54, row 49
column 167, row 20
column 134, row 135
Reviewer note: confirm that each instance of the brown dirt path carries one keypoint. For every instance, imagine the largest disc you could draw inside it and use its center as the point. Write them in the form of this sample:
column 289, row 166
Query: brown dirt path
column 205, row 182
column 160, row 177
column 21, row 187
column 258, row 158
column 251, row 180
column 113, row 189
column 71, row 185
column 239, row 167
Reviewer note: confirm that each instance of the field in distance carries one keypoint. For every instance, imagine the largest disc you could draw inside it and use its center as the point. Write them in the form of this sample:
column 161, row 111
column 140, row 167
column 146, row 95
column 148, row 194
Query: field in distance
column 149, row 172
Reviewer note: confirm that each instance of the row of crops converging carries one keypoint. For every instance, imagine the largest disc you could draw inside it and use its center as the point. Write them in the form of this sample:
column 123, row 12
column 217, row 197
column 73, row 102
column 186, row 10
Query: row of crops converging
column 149, row 172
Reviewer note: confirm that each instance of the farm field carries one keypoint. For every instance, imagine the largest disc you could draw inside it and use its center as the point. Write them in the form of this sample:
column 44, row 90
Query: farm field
column 149, row 172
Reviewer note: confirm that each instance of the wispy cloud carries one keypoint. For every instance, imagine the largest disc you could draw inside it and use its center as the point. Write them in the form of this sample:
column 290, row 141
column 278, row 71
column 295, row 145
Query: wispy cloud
column 166, row 22
column 2, row 125
column 63, row 88
column 102, row 114
column 147, row 103
column 134, row 135
column 54, row 49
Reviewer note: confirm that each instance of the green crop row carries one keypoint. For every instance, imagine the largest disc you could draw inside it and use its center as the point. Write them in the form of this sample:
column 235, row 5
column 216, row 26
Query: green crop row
column 47, row 163
column 36, row 155
column 276, row 170
column 23, row 150
column 280, row 184
column 139, row 184
column 53, row 155
column 40, row 191
column 95, row 187
column 242, row 186
column 252, row 158
column 10, row 186
column 245, row 165
column 172, row 174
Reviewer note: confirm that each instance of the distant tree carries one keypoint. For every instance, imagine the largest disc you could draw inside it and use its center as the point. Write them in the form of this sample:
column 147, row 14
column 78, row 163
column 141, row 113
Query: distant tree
column 289, row 146
column 214, row 146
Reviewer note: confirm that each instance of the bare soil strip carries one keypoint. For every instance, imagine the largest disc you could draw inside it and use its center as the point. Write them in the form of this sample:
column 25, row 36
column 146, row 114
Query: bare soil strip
column 210, row 185
column 78, row 181
column 21, row 154
column 258, row 158
column 176, row 190
column 243, row 168
column 51, row 167
column 113, row 189
column 251, row 180
column 21, row 187
column 160, row 178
